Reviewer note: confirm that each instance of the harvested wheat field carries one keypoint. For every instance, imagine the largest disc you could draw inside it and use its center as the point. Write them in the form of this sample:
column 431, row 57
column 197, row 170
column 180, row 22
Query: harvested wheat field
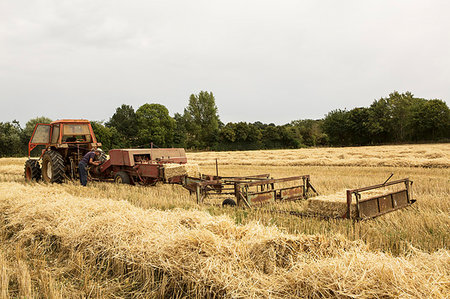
column 110, row 240
column 422, row 155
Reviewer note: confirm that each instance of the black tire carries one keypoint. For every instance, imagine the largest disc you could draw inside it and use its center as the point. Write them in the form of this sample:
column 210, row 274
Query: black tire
column 228, row 202
column 122, row 178
column 32, row 171
column 53, row 167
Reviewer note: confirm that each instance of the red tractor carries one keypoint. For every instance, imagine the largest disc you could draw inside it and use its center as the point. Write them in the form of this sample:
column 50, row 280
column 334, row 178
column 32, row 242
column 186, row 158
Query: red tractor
column 66, row 142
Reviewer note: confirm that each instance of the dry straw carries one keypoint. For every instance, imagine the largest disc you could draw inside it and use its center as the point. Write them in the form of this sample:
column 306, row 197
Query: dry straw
column 191, row 253
column 173, row 170
column 421, row 155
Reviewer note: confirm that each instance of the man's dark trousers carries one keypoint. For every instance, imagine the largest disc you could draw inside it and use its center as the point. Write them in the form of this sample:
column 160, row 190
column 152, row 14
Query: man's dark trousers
column 83, row 173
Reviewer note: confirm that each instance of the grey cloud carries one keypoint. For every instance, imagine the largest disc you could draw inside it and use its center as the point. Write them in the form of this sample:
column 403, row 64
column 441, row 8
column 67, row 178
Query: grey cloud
column 273, row 61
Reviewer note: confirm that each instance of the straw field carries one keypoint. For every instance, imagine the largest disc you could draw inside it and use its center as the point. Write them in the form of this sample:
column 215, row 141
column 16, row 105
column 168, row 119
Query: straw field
column 429, row 155
column 106, row 240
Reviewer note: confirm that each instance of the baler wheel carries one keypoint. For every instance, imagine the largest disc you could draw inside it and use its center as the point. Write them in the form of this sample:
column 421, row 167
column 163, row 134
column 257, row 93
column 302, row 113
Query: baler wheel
column 122, row 178
column 228, row 202
column 53, row 167
column 32, row 170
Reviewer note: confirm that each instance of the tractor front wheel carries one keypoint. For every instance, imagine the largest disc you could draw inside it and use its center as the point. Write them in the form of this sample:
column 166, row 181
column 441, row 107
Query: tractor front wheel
column 122, row 178
column 32, row 170
column 53, row 167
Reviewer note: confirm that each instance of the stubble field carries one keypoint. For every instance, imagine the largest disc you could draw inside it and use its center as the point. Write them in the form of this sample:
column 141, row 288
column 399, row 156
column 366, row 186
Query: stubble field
column 111, row 240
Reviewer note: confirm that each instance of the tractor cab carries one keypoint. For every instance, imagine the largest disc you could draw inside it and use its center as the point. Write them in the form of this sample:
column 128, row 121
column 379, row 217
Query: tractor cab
column 65, row 142
column 60, row 134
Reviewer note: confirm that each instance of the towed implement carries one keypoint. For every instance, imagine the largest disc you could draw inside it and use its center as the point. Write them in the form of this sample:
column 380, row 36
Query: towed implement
column 379, row 204
column 140, row 166
column 250, row 190
column 65, row 142
column 255, row 190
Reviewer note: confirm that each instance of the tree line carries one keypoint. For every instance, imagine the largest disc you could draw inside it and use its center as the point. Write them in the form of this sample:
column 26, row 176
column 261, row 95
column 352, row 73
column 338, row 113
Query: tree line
column 398, row 118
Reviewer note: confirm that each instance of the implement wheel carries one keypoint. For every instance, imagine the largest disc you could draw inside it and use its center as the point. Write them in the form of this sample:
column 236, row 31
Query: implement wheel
column 122, row 178
column 228, row 202
column 32, row 170
column 53, row 167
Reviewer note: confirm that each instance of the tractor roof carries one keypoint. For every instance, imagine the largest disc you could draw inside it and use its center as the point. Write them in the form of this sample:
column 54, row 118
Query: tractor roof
column 70, row 121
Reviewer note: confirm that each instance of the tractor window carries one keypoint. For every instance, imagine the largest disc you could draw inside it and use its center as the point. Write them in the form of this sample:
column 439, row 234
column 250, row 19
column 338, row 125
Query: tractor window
column 75, row 129
column 41, row 134
column 76, row 133
column 55, row 134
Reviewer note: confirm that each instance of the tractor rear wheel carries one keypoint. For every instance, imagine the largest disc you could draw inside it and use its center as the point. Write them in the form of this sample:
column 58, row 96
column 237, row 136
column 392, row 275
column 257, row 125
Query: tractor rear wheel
column 122, row 178
column 32, row 170
column 53, row 167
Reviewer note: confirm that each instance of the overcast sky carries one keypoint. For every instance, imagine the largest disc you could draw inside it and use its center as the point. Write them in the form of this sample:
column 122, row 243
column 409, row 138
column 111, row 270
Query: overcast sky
column 272, row 61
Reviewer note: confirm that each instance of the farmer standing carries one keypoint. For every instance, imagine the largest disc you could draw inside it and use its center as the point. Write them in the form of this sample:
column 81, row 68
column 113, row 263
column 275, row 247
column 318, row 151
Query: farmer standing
column 88, row 159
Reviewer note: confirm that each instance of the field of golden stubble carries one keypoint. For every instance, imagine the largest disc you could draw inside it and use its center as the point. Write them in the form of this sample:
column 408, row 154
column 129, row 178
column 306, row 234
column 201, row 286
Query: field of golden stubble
column 425, row 225
column 404, row 253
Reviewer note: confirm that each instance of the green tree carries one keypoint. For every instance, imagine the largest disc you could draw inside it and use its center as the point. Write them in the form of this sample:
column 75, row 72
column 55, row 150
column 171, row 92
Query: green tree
column 202, row 120
column 358, row 126
column 155, row 125
column 399, row 108
column 254, row 136
column 228, row 134
column 390, row 118
column 379, row 121
column 286, row 136
column 291, row 137
column 180, row 134
column 108, row 136
column 242, row 132
column 311, row 131
column 11, row 140
column 125, row 122
column 240, row 136
column 430, row 120
column 271, row 136
column 336, row 126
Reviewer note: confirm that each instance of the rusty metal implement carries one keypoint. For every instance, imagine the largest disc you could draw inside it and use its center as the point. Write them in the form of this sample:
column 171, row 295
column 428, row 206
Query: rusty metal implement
column 380, row 204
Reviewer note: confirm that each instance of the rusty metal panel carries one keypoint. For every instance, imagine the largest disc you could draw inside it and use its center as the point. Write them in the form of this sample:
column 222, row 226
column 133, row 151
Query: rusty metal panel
column 148, row 170
column 261, row 197
column 116, row 157
column 105, row 165
column 385, row 203
column 164, row 155
column 176, row 155
column 376, row 206
column 127, row 158
column 400, row 199
column 368, row 208
column 291, row 193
